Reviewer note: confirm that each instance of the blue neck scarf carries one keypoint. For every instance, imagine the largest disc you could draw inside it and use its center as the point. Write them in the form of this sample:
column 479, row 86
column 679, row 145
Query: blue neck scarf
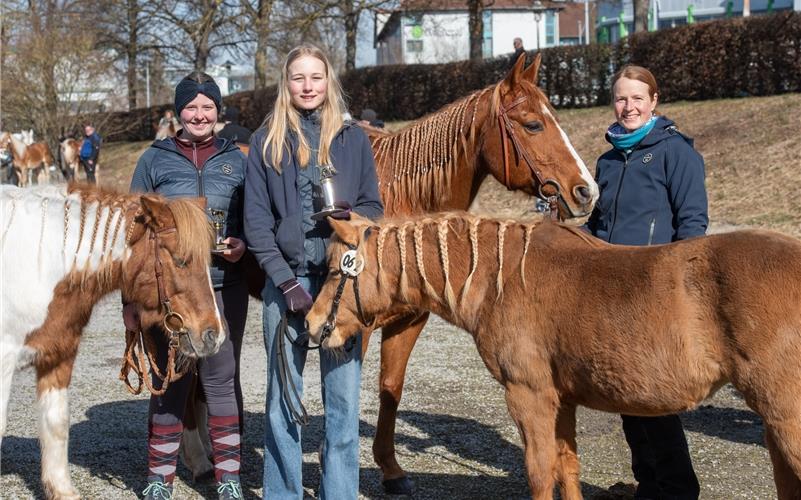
column 626, row 141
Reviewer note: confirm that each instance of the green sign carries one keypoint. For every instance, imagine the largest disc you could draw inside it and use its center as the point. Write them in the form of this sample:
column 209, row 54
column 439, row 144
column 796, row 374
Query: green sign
column 417, row 31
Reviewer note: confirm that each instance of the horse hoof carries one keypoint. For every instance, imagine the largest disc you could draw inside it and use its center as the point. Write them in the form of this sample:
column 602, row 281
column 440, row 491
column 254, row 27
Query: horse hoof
column 398, row 486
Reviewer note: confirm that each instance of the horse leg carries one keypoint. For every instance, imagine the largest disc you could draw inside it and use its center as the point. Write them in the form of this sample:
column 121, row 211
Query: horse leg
column 397, row 341
column 54, row 426
column 534, row 412
column 567, row 465
column 788, row 485
column 195, row 443
column 9, row 351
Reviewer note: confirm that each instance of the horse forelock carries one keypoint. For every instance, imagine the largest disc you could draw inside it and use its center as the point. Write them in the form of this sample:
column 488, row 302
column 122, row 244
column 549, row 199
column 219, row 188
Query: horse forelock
column 415, row 165
column 195, row 234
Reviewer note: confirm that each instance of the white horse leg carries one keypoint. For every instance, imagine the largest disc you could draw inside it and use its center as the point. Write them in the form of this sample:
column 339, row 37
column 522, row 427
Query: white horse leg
column 54, row 429
column 8, row 362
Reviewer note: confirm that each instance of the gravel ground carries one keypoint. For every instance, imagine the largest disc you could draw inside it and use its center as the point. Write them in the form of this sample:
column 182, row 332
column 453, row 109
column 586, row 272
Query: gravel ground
column 454, row 436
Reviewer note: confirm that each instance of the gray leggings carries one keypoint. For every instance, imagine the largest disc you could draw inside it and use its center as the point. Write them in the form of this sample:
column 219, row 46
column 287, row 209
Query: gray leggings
column 219, row 374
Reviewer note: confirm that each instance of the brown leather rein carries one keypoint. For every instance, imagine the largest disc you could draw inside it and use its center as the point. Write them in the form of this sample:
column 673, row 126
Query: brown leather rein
column 136, row 356
column 508, row 132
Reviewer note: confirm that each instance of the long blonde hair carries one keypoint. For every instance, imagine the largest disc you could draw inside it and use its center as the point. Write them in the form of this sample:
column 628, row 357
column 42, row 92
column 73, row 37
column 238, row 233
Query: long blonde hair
column 285, row 117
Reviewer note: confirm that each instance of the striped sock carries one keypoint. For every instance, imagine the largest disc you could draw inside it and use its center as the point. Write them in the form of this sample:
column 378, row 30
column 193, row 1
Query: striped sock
column 224, row 434
column 162, row 450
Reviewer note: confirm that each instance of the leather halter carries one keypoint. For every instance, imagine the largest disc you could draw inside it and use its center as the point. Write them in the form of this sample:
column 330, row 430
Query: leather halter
column 508, row 132
column 331, row 320
column 135, row 351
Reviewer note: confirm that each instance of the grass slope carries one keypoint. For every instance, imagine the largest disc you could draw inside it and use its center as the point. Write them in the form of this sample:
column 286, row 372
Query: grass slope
column 752, row 149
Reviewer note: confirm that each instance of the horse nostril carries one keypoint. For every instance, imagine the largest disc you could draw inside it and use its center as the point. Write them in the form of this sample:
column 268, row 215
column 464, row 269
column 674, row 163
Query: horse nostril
column 582, row 194
column 306, row 325
column 210, row 336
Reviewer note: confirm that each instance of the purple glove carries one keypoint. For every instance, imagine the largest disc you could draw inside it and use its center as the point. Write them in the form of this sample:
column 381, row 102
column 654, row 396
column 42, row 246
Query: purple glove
column 343, row 214
column 297, row 298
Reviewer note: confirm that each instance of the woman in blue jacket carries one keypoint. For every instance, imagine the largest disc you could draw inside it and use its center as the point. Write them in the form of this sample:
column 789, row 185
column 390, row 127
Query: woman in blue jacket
column 304, row 133
column 195, row 163
column 652, row 192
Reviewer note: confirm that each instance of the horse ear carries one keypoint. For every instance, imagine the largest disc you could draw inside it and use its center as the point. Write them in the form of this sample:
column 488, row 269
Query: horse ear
column 513, row 77
column 530, row 73
column 347, row 231
column 155, row 210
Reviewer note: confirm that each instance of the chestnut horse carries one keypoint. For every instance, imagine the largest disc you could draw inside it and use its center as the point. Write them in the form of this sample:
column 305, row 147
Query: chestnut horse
column 562, row 319
column 33, row 160
column 507, row 130
column 63, row 249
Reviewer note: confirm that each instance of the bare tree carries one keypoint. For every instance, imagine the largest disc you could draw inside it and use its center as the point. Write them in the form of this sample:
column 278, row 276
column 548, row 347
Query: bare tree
column 640, row 8
column 128, row 28
column 204, row 26
column 259, row 21
column 51, row 70
column 475, row 27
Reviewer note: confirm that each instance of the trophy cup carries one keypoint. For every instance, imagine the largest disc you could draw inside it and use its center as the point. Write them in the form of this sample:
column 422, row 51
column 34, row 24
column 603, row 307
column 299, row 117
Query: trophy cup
column 331, row 205
column 217, row 219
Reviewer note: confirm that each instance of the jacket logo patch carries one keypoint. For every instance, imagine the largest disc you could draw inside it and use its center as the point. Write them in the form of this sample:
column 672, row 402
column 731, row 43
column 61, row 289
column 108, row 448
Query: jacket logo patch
column 227, row 169
column 645, row 159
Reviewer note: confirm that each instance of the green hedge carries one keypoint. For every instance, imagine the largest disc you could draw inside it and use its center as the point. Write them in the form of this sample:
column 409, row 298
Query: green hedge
column 727, row 58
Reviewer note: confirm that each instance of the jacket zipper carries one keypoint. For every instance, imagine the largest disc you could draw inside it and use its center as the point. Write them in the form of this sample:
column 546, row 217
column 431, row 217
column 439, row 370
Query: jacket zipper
column 617, row 193
column 651, row 231
column 199, row 171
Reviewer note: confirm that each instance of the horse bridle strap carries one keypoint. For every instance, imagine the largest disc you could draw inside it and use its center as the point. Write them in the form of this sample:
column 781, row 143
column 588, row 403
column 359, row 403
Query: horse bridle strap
column 507, row 132
column 135, row 352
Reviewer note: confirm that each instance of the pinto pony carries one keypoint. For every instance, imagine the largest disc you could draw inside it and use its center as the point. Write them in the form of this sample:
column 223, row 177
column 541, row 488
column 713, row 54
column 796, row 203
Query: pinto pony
column 63, row 249
column 29, row 161
column 70, row 158
column 562, row 319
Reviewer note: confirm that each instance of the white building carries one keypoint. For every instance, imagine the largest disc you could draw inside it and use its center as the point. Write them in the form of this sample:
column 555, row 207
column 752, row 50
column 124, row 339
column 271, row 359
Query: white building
column 615, row 18
column 436, row 31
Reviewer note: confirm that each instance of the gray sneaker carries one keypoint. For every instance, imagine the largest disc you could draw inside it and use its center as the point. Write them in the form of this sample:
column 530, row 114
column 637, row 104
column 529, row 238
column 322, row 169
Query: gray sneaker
column 157, row 489
column 229, row 488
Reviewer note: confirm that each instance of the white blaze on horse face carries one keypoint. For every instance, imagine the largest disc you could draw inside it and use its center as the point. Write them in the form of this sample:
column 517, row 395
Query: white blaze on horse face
column 585, row 173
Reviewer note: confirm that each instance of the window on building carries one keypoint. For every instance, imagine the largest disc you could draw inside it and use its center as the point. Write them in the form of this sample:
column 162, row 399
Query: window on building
column 550, row 28
column 414, row 46
column 487, row 45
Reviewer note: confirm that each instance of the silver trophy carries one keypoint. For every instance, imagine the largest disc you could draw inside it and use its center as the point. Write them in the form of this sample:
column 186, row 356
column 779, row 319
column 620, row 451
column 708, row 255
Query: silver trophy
column 217, row 219
column 330, row 203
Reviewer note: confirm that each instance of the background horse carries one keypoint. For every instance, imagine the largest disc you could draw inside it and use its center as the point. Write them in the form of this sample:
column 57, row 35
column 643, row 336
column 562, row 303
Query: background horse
column 64, row 250
column 70, row 158
column 507, row 130
column 562, row 319
column 32, row 161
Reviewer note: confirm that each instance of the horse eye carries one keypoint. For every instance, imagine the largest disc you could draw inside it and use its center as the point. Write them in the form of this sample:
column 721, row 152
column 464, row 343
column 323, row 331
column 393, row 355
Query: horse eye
column 535, row 126
column 179, row 262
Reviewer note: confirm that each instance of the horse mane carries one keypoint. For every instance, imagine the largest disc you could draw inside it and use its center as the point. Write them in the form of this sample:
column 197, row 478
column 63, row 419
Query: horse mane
column 415, row 164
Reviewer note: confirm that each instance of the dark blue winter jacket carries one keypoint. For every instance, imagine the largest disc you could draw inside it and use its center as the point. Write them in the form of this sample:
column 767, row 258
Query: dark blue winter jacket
column 653, row 194
column 90, row 147
column 273, row 209
column 163, row 169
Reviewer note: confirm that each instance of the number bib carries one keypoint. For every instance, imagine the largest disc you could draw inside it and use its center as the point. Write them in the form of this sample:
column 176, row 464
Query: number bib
column 351, row 264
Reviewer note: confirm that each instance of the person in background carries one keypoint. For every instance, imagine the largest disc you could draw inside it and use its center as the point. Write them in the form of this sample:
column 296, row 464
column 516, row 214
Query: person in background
column 370, row 117
column 651, row 192
column 90, row 152
column 195, row 163
column 232, row 130
column 519, row 50
column 304, row 133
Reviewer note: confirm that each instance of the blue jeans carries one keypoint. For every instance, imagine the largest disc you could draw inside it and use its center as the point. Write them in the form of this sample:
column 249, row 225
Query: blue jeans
column 341, row 378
